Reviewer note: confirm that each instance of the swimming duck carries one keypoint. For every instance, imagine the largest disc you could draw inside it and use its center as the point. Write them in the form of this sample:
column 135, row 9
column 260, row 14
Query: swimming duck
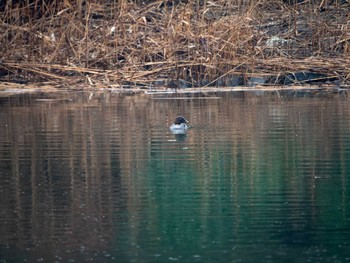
column 179, row 126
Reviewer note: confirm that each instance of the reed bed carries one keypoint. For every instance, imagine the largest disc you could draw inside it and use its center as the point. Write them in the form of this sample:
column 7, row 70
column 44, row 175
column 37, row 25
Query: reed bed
column 120, row 43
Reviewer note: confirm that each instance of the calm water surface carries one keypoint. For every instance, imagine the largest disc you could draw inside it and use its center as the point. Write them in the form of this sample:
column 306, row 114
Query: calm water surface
column 260, row 177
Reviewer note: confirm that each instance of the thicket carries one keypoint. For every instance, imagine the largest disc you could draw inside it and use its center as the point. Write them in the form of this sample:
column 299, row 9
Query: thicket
column 155, row 43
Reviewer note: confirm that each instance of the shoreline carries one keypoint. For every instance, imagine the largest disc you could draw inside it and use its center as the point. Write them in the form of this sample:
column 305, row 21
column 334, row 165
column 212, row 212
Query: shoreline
column 10, row 89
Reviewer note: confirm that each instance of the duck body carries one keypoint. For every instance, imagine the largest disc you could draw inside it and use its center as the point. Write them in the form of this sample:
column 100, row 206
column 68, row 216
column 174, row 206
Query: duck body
column 179, row 126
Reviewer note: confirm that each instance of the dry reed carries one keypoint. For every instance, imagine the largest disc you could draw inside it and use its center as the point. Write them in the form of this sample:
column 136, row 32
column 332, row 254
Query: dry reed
column 120, row 42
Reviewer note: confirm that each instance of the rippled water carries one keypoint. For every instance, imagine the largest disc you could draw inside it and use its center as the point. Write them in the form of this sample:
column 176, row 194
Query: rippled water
column 260, row 177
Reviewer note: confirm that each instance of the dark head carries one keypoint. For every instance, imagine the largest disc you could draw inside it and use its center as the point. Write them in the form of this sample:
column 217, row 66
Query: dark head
column 180, row 120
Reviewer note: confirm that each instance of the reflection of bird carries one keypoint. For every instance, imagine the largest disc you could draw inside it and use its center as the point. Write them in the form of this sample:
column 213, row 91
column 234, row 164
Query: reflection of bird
column 180, row 137
column 179, row 126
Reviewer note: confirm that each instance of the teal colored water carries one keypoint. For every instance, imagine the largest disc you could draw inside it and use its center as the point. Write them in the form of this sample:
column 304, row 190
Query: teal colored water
column 259, row 177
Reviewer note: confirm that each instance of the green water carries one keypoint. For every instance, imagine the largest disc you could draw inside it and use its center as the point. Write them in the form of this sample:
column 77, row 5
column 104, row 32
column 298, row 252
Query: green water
column 260, row 177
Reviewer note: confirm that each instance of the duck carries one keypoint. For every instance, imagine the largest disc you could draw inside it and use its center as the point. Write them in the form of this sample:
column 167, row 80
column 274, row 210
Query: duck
column 179, row 126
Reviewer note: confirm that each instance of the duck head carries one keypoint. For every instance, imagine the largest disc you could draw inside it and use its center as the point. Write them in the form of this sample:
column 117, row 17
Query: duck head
column 180, row 120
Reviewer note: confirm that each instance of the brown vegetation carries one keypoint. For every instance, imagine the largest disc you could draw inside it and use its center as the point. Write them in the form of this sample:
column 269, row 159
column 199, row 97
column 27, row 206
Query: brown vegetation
column 156, row 43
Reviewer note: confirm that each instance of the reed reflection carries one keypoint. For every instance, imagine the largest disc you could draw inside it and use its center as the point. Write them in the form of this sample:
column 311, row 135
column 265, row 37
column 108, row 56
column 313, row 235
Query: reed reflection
column 86, row 174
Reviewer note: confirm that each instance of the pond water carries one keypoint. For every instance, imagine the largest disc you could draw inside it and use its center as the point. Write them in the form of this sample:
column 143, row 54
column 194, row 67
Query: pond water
column 259, row 177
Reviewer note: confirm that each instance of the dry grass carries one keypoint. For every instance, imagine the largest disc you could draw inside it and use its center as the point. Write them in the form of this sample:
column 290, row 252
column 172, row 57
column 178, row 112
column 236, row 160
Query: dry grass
column 118, row 42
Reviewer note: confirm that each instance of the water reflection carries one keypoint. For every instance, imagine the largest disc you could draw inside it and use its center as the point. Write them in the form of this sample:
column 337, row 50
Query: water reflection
column 101, row 178
column 180, row 136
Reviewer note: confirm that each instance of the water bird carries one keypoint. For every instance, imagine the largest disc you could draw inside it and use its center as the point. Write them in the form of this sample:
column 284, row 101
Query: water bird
column 179, row 126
